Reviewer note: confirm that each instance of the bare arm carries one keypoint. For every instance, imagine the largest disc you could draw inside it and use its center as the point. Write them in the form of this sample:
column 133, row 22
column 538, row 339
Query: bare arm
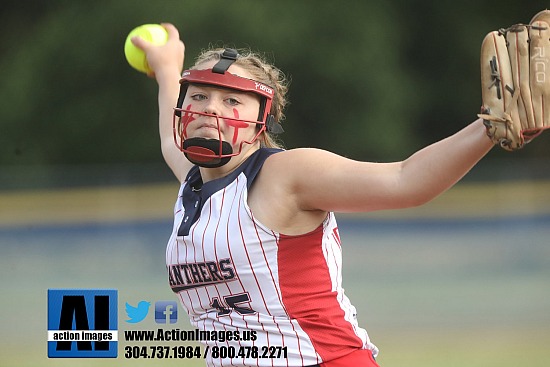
column 319, row 180
column 167, row 63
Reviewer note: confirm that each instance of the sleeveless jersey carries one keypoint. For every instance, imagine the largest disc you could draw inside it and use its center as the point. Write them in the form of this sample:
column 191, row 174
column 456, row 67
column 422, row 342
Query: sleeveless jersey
column 260, row 288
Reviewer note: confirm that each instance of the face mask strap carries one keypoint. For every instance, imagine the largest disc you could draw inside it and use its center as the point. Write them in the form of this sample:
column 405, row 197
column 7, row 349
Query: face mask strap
column 228, row 57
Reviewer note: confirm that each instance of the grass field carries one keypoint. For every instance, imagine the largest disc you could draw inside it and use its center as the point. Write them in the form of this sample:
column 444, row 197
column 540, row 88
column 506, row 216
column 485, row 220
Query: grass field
column 443, row 285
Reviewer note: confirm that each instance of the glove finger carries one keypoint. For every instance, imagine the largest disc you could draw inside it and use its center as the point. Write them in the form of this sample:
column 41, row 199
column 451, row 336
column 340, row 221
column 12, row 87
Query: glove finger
column 539, row 34
column 497, row 89
column 495, row 71
column 518, row 49
column 543, row 15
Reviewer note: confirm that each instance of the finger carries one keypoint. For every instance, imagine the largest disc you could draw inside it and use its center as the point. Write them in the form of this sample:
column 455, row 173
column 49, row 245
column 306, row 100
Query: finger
column 140, row 43
column 144, row 44
column 172, row 31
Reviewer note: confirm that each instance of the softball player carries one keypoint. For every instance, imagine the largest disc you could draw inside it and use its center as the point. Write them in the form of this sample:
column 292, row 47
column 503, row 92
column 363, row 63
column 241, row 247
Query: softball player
column 255, row 251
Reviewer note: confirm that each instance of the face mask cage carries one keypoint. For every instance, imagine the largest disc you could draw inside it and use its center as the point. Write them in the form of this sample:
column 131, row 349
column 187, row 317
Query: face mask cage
column 216, row 152
column 209, row 152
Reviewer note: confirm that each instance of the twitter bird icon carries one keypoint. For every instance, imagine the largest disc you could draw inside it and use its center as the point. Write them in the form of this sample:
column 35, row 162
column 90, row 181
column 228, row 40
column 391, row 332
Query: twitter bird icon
column 137, row 314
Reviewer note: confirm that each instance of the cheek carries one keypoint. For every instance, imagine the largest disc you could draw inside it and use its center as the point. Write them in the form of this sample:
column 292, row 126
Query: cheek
column 236, row 124
column 186, row 119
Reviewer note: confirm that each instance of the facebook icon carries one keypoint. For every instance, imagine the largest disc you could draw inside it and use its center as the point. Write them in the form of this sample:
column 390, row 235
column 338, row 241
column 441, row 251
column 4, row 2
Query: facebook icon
column 166, row 312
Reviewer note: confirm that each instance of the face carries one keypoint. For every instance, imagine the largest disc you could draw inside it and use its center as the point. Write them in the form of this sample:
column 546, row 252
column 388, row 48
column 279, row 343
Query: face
column 226, row 107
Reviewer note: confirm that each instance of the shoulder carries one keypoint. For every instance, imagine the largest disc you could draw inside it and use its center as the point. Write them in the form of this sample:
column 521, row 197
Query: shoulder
column 298, row 156
column 296, row 166
column 289, row 174
column 275, row 198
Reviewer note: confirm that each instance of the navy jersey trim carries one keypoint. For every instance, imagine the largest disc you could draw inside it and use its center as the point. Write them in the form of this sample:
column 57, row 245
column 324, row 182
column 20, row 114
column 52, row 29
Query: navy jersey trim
column 196, row 193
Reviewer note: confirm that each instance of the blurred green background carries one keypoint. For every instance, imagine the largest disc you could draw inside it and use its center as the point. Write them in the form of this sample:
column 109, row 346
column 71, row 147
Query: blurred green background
column 86, row 201
column 373, row 80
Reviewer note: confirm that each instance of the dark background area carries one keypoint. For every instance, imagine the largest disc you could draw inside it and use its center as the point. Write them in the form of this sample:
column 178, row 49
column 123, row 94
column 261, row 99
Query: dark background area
column 369, row 80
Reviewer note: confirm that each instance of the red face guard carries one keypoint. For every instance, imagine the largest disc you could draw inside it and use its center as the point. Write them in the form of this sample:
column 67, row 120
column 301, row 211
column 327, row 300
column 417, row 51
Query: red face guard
column 216, row 152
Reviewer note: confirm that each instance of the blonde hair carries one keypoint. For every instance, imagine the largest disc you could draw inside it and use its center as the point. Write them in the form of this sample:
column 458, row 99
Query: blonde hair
column 261, row 71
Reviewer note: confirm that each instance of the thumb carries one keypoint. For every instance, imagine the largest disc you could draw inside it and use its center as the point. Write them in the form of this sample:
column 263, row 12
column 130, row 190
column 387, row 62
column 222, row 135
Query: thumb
column 140, row 43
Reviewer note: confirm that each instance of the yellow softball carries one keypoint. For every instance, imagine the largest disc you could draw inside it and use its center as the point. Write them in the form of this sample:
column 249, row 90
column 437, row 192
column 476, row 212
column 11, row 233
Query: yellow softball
column 154, row 33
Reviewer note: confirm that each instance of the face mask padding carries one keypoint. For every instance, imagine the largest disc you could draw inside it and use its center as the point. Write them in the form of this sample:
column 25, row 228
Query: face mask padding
column 208, row 153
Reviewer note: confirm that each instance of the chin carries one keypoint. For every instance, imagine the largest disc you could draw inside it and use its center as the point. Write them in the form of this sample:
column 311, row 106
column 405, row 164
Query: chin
column 206, row 133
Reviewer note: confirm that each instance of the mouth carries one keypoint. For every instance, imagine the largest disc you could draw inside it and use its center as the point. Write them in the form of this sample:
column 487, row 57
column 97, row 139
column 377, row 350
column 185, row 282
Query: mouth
column 208, row 126
column 206, row 130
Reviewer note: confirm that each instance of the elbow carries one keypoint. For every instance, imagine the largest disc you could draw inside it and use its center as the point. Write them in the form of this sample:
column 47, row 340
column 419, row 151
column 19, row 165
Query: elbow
column 170, row 151
column 165, row 148
column 418, row 201
column 413, row 197
column 173, row 158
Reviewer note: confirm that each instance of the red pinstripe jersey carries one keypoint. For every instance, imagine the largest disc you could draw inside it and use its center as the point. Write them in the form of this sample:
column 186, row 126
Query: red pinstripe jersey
column 233, row 274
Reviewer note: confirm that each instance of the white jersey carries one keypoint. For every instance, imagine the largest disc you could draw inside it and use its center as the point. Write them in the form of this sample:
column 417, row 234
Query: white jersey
column 269, row 290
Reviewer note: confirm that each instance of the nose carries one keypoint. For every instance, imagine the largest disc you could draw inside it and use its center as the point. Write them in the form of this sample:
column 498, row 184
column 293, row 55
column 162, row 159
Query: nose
column 212, row 107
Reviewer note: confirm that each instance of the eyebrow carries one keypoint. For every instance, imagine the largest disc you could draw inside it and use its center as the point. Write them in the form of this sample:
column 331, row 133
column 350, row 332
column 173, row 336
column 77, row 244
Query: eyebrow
column 232, row 90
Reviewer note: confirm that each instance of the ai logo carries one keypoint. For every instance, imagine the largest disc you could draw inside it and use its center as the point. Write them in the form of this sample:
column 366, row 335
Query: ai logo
column 82, row 323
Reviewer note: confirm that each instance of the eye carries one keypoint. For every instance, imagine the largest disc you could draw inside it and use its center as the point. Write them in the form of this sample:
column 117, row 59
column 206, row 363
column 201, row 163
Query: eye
column 198, row 97
column 232, row 101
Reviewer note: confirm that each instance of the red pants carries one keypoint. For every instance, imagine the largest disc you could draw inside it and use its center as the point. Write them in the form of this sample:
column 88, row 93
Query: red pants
column 359, row 358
